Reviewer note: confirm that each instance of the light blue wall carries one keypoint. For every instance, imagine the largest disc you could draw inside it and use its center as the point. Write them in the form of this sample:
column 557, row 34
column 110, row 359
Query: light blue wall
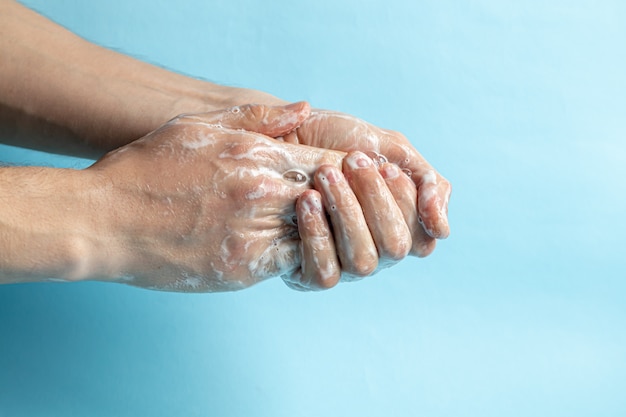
column 522, row 312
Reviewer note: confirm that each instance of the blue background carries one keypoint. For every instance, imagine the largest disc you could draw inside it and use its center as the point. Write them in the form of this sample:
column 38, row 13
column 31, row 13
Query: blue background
column 521, row 312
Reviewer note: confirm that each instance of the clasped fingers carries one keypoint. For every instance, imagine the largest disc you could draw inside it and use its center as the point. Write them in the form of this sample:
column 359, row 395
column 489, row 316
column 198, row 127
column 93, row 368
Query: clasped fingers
column 369, row 227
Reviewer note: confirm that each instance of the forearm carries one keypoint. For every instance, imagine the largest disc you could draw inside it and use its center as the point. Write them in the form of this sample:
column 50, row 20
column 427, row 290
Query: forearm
column 46, row 228
column 101, row 96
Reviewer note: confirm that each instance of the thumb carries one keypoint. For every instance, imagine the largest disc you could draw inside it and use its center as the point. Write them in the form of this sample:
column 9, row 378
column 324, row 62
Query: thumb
column 270, row 121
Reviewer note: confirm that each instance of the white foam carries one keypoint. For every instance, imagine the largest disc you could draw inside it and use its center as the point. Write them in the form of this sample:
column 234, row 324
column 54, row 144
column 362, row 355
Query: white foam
column 258, row 192
column 429, row 178
column 200, row 142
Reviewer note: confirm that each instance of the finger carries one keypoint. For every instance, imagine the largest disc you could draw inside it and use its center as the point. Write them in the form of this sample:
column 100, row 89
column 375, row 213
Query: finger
column 432, row 201
column 334, row 130
column 320, row 267
column 354, row 243
column 405, row 195
column 433, row 189
column 271, row 121
column 383, row 216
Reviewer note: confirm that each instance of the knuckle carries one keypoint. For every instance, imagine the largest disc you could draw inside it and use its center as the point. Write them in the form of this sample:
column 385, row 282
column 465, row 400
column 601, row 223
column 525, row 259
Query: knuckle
column 398, row 248
column 395, row 136
column 363, row 266
column 324, row 281
column 422, row 249
column 256, row 112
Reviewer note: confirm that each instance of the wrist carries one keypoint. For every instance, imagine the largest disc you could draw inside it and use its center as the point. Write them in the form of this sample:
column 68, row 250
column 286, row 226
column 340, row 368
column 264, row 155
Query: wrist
column 197, row 96
column 47, row 225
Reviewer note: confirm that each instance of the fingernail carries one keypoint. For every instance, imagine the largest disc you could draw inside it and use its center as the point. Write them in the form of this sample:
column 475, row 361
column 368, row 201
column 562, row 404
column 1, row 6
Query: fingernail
column 294, row 106
column 333, row 176
column 390, row 171
column 312, row 204
column 357, row 160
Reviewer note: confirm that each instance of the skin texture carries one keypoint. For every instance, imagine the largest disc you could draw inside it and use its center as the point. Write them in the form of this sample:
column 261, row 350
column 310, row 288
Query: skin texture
column 334, row 130
column 206, row 204
column 63, row 94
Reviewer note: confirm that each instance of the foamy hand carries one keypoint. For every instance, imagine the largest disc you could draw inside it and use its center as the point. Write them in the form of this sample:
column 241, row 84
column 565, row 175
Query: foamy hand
column 426, row 213
column 206, row 204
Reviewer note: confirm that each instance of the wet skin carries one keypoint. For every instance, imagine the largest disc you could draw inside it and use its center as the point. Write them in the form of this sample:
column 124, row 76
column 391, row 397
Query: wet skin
column 212, row 202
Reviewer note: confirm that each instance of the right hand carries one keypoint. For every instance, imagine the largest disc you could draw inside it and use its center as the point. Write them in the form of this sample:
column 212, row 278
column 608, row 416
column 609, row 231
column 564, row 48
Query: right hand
column 424, row 203
column 206, row 204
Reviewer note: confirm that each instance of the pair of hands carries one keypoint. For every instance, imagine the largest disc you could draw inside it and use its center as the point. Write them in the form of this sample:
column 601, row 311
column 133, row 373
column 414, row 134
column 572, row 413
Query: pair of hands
column 222, row 200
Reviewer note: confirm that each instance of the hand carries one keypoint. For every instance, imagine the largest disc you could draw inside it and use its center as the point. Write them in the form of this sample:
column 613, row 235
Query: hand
column 206, row 204
column 368, row 223
column 423, row 202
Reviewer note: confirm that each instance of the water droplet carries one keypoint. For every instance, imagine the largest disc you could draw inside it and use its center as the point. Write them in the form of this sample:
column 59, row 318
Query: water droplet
column 407, row 172
column 296, row 176
column 377, row 158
